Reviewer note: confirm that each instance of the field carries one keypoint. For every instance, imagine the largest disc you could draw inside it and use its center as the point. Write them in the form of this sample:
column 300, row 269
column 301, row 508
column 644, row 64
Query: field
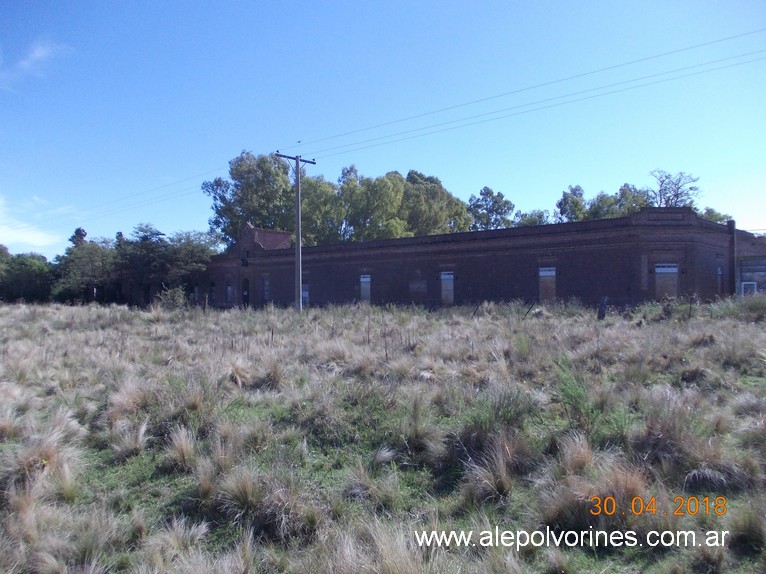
column 262, row 441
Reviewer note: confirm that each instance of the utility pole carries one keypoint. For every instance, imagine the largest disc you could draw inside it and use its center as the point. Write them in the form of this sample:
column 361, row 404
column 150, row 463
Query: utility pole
column 298, row 262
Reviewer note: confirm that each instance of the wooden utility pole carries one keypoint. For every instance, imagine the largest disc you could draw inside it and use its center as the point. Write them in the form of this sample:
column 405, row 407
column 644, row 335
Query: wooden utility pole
column 298, row 263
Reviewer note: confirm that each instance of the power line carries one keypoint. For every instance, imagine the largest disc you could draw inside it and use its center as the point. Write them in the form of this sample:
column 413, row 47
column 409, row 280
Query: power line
column 462, row 124
column 417, row 133
column 150, row 190
column 532, row 87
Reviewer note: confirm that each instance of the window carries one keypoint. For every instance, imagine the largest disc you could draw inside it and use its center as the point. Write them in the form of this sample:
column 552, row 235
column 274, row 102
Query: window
column 365, row 283
column 266, row 290
column 665, row 280
column 305, row 294
column 447, row 287
column 212, row 292
column 748, row 288
column 246, row 292
column 229, row 293
column 547, row 283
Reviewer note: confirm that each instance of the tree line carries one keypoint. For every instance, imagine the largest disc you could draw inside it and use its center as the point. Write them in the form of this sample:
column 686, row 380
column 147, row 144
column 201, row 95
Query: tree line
column 355, row 208
column 108, row 271
column 359, row 208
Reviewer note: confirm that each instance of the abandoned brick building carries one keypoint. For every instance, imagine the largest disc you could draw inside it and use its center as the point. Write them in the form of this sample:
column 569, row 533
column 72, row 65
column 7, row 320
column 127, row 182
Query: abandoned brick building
column 649, row 255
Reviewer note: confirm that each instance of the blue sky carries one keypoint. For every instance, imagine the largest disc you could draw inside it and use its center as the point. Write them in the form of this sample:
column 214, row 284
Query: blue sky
column 113, row 114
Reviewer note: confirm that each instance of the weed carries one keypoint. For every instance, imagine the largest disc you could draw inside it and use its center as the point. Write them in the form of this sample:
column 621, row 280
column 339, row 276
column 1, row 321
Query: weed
column 380, row 492
column 129, row 440
column 320, row 443
column 747, row 532
column 181, row 451
column 423, row 441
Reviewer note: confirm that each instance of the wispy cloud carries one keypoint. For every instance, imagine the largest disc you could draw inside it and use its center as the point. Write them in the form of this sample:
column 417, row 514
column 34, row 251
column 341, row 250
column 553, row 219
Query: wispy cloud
column 20, row 236
column 35, row 62
column 37, row 56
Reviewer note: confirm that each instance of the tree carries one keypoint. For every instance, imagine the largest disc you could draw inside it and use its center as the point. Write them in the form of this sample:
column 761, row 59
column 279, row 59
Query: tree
column 5, row 258
column 78, row 237
column 603, row 206
column 490, row 210
column 27, row 276
column 149, row 260
column 630, row 199
column 531, row 218
column 85, row 270
column 259, row 192
column 187, row 255
column 713, row 215
column 321, row 212
column 674, row 190
column 371, row 207
column 428, row 208
column 141, row 261
column 571, row 206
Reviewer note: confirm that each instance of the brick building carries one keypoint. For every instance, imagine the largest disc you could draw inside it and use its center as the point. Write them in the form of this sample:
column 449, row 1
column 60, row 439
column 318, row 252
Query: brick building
column 648, row 255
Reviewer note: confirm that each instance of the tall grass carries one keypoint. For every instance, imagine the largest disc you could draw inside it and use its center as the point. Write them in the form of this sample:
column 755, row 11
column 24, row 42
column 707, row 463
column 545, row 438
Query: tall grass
column 171, row 440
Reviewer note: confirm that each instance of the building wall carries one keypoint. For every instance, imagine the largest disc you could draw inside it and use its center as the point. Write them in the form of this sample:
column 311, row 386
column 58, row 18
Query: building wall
column 629, row 260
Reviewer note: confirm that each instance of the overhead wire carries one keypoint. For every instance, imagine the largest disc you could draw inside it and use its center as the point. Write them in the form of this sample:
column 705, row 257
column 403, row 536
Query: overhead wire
column 460, row 122
column 529, row 88
column 316, row 153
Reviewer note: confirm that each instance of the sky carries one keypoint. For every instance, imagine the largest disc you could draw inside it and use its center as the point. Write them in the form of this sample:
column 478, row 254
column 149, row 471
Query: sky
column 113, row 114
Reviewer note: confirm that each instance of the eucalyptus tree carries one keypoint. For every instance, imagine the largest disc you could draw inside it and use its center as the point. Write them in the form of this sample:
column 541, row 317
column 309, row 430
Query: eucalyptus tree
column 259, row 191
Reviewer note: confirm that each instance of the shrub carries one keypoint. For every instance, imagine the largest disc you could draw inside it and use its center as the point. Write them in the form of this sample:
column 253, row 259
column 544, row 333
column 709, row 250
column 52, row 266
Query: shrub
column 172, row 298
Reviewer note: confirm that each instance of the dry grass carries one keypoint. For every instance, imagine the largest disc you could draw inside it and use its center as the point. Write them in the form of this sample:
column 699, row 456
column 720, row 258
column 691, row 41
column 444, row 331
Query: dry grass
column 261, row 441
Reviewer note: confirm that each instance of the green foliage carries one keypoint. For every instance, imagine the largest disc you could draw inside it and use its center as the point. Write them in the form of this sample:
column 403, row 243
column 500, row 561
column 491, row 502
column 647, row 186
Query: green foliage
column 151, row 258
column 172, row 298
column 571, row 206
column 321, row 212
column 85, row 270
column 713, row 215
column 26, row 276
column 259, row 192
column 630, row 199
column 490, row 210
column 574, row 207
column 372, row 206
column 428, row 208
column 531, row 218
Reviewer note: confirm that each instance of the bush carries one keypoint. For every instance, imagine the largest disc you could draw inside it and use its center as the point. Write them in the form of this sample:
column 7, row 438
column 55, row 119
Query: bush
column 172, row 298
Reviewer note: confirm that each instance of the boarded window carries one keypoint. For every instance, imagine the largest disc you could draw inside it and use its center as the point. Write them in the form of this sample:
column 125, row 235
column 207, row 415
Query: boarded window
column 447, row 287
column 753, row 271
column 547, row 278
column 266, row 289
column 749, row 288
column 365, row 283
column 246, row 292
column 418, row 290
column 665, row 280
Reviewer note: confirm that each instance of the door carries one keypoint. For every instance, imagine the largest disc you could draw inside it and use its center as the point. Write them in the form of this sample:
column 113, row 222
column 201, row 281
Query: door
column 665, row 280
column 547, row 286
column 448, row 287
column 365, row 284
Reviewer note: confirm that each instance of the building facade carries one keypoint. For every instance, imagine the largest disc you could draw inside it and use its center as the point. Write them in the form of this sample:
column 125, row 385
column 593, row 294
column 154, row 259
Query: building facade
column 659, row 252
